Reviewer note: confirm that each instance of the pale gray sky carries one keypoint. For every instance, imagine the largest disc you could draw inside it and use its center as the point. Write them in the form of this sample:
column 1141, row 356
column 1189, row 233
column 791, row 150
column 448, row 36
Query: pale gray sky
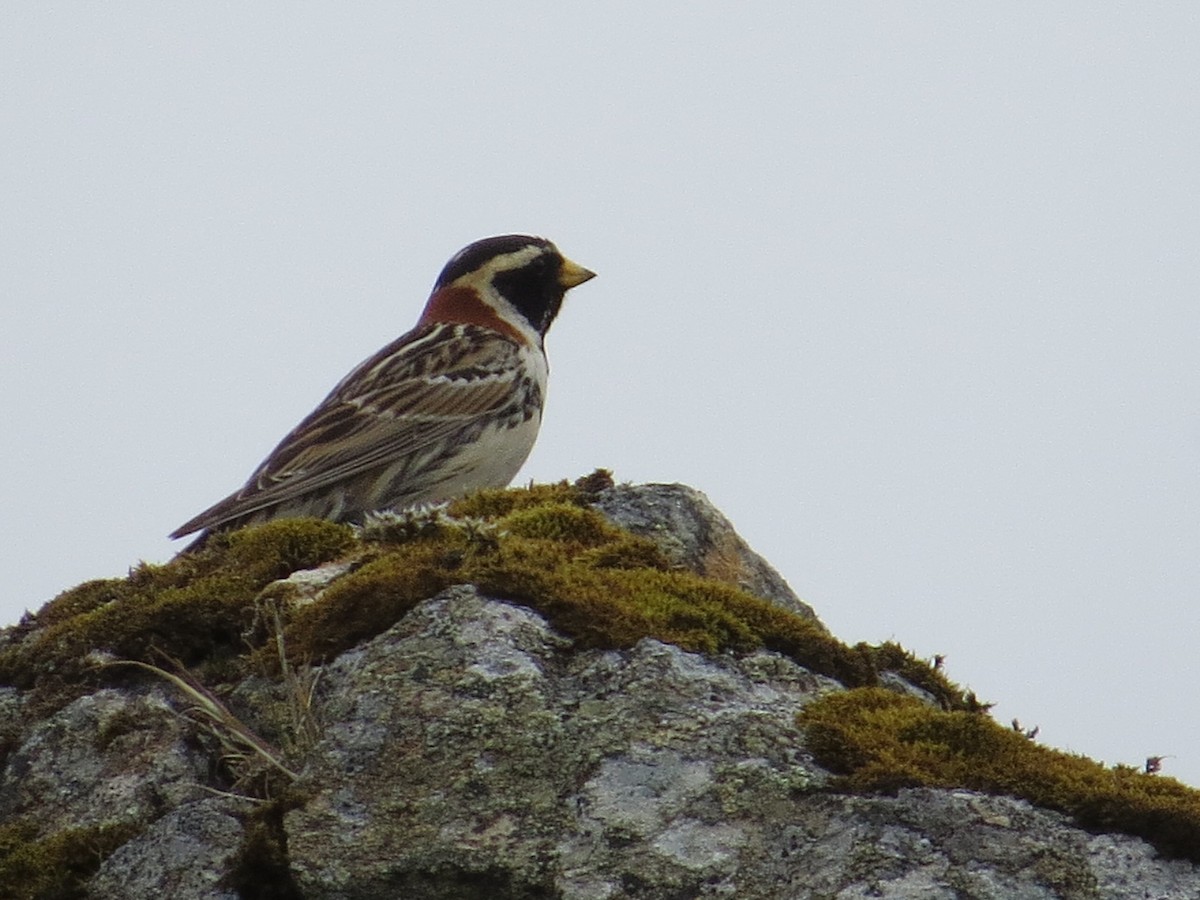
column 910, row 290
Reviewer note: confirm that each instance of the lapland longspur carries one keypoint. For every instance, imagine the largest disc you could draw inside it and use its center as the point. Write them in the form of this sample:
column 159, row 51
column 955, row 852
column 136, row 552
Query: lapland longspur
column 452, row 406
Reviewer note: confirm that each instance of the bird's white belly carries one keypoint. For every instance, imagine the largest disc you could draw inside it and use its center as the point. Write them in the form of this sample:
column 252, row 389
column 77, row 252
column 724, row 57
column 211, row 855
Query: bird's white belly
column 491, row 461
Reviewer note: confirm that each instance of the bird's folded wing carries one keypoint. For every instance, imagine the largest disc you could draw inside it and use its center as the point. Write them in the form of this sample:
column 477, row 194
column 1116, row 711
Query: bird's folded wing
column 398, row 403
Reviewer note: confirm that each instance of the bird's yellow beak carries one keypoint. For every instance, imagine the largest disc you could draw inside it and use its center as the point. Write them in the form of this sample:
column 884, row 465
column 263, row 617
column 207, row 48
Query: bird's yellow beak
column 573, row 274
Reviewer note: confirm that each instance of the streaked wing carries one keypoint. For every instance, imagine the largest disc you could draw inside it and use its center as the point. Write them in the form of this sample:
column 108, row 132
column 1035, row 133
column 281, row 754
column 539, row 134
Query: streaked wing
column 421, row 389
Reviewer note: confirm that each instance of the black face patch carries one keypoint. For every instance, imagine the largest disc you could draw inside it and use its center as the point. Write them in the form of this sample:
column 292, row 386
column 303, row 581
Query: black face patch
column 475, row 255
column 534, row 289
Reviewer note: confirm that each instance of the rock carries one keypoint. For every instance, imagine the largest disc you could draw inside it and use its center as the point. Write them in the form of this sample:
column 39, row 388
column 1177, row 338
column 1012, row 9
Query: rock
column 471, row 750
column 951, row 844
column 13, row 722
column 694, row 534
column 508, row 753
column 111, row 756
column 185, row 854
column 475, row 755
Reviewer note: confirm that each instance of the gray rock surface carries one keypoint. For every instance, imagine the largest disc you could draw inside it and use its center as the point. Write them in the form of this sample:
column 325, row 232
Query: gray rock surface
column 186, row 853
column 474, row 755
column 111, row 756
column 509, row 753
column 696, row 535
column 949, row 845
column 470, row 751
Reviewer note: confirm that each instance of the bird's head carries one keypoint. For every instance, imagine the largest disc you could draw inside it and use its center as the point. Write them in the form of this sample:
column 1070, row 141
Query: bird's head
column 522, row 279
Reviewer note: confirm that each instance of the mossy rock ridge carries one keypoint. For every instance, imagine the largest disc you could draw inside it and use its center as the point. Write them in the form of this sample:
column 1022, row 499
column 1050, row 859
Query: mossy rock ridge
column 570, row 690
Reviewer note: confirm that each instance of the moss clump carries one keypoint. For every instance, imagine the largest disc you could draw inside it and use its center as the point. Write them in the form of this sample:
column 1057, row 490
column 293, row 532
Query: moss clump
column 559, row 522
column 879, row 741
column 56, row 866
column 194, row 608
column 492, row 504
column 891, row 657
column 600, row 585
column 543, row 546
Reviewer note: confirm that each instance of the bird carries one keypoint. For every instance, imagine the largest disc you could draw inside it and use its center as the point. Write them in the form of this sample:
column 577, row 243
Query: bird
column 450, row 407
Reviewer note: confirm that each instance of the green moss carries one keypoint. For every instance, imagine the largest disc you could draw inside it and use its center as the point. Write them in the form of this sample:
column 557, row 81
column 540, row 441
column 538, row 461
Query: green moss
column 194, row 608
column 57, row 866
column 593, row 581
column 126, row 720
column 278, row 549
column 879, row 741
column 891, row 657
column 367, row 602
column 493, row 504
column 557, row 521
column 89, row 596
column 542, row 546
